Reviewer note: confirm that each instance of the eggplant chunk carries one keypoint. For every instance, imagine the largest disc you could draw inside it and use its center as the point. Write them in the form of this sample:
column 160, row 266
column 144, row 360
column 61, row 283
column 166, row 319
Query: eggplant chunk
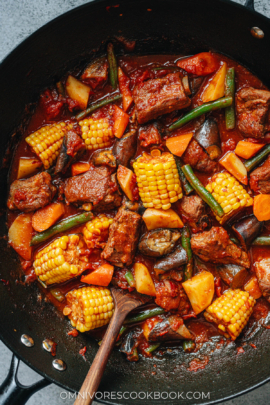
column 172, row 261
column 158, row 242
column 96, row 73
column 168, row 329
column 125, row 148
column 233, row 275
column 71, row 149
column 104, row 157
column 247, row 230
column 208, row 137
column 195, row 83
column 129, row 345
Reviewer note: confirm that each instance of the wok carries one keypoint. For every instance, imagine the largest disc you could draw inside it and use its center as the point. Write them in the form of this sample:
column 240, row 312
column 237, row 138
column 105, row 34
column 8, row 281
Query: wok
column 159, row 26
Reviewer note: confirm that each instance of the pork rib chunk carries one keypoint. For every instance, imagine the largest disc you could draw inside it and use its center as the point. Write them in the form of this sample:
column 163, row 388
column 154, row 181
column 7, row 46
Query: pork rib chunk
column 198, row 159
column 194, row 209
column 262, row 269
column 260, row 178
column 215, row 246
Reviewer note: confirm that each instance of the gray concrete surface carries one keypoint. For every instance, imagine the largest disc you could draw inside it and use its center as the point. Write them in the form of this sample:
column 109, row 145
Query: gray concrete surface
column 18, row 19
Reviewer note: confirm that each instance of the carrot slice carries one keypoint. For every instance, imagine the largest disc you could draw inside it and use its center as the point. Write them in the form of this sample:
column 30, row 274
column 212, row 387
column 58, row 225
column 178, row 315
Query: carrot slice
column 79, row 168
column 248, row 149
column 45, row 217
column 235, row 166
column 201, row 64
column 121, row 120
column 261, row 207
column 178, row 144
column 101, row 276
column 124, row 83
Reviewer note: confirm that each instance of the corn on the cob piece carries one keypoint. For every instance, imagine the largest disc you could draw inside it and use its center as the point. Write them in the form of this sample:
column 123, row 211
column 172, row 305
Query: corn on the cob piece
column 158, row 180
column 231, row 312
column 47, row 141
column 96, row 133
column 229, row 193
column 63, row 259
column 89, row 307
column 96, row 232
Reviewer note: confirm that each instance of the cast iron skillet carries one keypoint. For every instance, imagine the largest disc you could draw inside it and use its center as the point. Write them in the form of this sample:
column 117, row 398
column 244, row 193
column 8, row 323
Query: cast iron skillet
column 171, row 26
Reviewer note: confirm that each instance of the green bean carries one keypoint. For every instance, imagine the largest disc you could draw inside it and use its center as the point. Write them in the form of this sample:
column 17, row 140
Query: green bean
column 152, row 348
column 112, row 66
column 254, row 161
column 261, row 241
column 61, row 227
column 57, row 294
column 142, row 316
column 229, row 92
column 201, row 190
column 97, row 105
column 41, row 282
column 61, row 89
column 188, row 269
column 130, row 279
column 186, row 185
column 189, row 346
column 235, row 240
column 173, row 68
column 200, row 110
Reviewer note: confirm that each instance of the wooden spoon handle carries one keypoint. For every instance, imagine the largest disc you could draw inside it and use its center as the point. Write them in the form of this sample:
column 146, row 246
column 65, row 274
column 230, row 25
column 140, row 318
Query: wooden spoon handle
column 93, row 378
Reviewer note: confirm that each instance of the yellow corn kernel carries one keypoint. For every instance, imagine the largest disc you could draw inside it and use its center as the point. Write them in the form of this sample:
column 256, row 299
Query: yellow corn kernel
column 162, row 180
column 231, row 311
column 96, row 133
column 89, row 307
column 95, row 232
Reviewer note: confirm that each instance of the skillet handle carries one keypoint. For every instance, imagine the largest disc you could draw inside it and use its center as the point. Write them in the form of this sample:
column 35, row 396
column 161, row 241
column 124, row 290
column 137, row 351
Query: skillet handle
column 14, row 393
column 250, row 4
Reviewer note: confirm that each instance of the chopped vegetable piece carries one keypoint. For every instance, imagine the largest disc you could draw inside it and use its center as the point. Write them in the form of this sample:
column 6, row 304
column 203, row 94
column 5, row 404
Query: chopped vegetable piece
column 235, row 166
column 63, row 226
column 124, row 82
column 82, row 302
column 233, row 275
column 78, row 91
column 143, row 280
column 61, row 89
column 101, row 276
column 47, row 141
column 203, row 192
column 230, row 92
column 200, row 290
column 189, row 346
column 261, row 207
column 253, row 288
column 121, row 120
column 57, row 294
column 158, row 180
column 229, row 193
column 47, row 216
column 96, row 231
column 186, row 85
column 154, row 219
column 237, row 307
column 112, row 66
column 28, row 167
column 130, row 279
column 257, row 159
column 20, row 234
column 61, row 260
column 178, row 144
column 96, row 73
column 207, row 135
column 71, row 149
column 104, row 157
column 152, row 348
column 125, row 178
column 158, row 242
column 201, row 64
column 125, row 148
column 96, row 133
column 79, row 168
column 216, row 86
column 247, row 229
column 202, row 109
column 247, row 149
column 174, row 260
column 188, row 270
column 98, row 104
column 185, row 184
column 261, row 241
column 142, row 316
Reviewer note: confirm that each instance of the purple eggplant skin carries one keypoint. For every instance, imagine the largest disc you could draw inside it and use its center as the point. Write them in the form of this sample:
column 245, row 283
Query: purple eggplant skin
column 195, row 83
column 172, row 261
column 71, row 149
column 168, row 329
column 104, row 157
column 247, row 229
column 207, row 135
column 129, row 345
column 234, row 276
column 158, row 242
column 125, row 148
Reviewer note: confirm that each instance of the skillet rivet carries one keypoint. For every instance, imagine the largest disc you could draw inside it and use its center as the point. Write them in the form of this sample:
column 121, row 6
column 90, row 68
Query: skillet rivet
column 59, row 365
column 257, row 32
column 48, row 345
column 27, row 341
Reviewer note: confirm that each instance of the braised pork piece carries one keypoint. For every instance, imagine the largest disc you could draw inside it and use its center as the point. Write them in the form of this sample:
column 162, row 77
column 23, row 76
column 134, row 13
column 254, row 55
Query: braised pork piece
column 150, row 174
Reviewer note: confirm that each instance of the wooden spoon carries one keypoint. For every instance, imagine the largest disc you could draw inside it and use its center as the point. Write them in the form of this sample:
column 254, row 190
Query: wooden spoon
column 124, row 303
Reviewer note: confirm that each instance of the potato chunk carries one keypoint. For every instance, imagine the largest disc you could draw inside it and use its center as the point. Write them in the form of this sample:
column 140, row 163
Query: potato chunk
column 155, row 218
column 78, row 91
column 143, row 280
column 20, row 235
column 200, row 290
